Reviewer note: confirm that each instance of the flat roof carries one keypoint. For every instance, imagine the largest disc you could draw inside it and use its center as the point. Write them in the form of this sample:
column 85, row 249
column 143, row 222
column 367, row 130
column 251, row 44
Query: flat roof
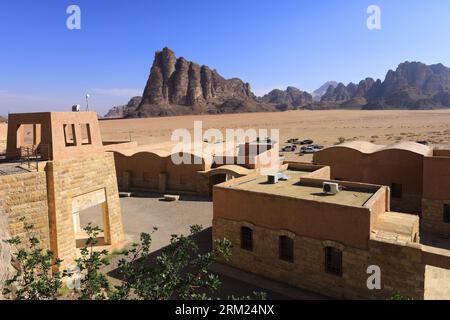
column 294, row 188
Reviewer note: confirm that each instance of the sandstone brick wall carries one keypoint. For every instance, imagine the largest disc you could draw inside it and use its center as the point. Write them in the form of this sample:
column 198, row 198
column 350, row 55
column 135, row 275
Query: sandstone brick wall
column 5, row 250
column 71, row 178
column 432, row 220
column 401, row 268
column 25, row 195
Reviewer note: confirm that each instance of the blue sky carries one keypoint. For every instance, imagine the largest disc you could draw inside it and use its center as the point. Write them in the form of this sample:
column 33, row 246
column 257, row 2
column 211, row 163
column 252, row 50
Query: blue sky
column 271, row 44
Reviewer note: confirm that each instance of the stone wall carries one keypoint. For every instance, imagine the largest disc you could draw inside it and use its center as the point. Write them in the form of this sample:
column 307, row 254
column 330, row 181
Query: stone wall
column 21, row 196
column 5, row 250
column 401, row 267
column 71, row 178
column 25, row 196
column 432, row 220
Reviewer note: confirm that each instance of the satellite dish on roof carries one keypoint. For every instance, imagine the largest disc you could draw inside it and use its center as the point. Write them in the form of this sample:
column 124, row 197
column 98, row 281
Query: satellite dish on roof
column 76, row 108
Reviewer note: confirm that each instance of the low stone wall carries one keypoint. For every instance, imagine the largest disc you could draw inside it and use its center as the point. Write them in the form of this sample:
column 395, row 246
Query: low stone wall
column 401, row 268
column 432, row 220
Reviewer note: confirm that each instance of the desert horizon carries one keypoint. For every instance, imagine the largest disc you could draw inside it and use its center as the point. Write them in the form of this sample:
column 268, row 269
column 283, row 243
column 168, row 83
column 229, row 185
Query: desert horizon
column 324, row 127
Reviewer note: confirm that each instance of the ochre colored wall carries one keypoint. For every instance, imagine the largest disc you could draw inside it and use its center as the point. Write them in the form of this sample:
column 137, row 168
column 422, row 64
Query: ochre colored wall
column 383, row 168
column 146, row 167
column 436, row 178
column 52, row 132
column 436, row 193
column 345, row 224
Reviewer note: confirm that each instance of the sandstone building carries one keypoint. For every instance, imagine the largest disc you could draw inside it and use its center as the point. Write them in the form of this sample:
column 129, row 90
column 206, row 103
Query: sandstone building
column 293, row 232
column 152, row 168
column 418, row 175
column 64, row 171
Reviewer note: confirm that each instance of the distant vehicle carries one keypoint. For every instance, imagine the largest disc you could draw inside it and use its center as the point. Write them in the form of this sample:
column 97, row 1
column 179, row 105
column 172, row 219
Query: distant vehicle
column 309, row 149
column 306, row 141
column 293, row 140
column 289, row 148
column 317, row 146
column 423, row 142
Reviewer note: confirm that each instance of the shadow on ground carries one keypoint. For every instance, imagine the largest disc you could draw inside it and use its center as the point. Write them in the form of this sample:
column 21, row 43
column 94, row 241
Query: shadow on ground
column 230, row 286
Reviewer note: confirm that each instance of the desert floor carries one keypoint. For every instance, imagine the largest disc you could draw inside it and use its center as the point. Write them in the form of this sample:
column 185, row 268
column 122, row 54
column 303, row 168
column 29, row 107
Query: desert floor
column 324, row 127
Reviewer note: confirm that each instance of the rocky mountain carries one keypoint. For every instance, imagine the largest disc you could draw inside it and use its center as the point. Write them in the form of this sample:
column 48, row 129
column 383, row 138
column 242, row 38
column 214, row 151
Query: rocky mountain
column 124, row 110
column 318, row 93
column 289, row 99
column 413, row 85
column 348, row 96
column 177, row 86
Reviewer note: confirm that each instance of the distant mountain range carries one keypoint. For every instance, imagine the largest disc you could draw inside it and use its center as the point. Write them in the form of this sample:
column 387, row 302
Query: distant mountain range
column 413, row 85
column 318, row 93
column 177, row 86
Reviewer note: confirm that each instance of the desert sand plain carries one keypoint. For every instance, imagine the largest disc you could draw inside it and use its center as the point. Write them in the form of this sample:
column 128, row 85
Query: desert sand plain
column 324, row 127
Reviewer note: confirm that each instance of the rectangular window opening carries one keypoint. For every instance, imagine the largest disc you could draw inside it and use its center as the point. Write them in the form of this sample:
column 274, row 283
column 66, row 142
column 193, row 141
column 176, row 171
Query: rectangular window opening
column 286, row 245
column 86, row 134
column 333, row 261
column 69, row 135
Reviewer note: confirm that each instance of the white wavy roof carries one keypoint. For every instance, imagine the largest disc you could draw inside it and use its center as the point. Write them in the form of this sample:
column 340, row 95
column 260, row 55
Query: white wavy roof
column 369, row 148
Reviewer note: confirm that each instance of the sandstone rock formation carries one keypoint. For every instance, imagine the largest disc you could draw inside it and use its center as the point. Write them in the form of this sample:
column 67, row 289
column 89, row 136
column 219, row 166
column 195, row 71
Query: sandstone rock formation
column 317, row 94
column 178, row 87
column 413, row 85
column 289, row 99
column 123, row 111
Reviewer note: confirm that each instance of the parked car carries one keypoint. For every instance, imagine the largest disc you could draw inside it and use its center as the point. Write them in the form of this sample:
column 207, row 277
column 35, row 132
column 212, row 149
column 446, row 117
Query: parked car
column 289, row 148
column 317, row 146
column 309, row 149
column 423, row 142
column 306, row 142
column 293, row 140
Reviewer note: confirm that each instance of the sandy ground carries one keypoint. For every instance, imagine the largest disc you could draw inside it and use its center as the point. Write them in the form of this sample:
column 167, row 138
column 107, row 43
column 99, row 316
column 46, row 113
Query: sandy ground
column 324, row 127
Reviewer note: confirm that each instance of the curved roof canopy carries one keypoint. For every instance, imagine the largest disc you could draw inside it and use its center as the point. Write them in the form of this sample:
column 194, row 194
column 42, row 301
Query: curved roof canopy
column 370, row 148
